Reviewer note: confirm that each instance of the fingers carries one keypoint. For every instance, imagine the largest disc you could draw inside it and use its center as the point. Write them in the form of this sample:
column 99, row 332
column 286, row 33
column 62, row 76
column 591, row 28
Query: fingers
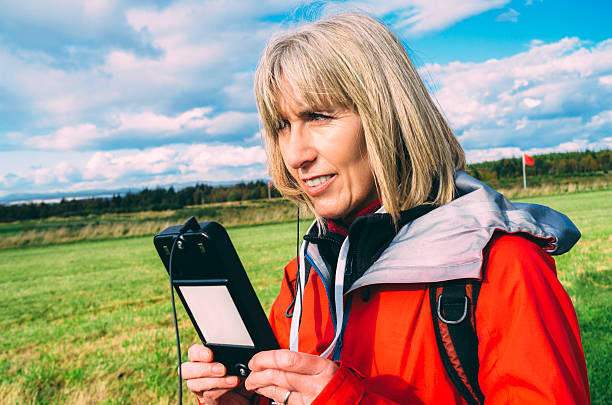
column 290, row 361
column 197, row 370
column 200, row 353
column 203, row 377
column 212, row 384
column 229, row 397
column 277, row 394
column 275, row 372
column 268, row 378
column 208, row 379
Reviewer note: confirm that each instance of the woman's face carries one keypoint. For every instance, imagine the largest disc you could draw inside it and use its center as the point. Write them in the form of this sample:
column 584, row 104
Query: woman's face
column 325, row 152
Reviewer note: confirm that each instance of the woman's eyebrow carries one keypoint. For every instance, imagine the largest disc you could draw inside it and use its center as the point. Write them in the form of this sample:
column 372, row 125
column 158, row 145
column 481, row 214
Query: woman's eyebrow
column 308, row 112
column 305, row 113
column 301, row 113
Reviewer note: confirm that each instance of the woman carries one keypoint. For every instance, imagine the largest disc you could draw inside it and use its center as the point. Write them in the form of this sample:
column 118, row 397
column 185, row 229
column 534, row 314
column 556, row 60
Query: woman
column 352, row 132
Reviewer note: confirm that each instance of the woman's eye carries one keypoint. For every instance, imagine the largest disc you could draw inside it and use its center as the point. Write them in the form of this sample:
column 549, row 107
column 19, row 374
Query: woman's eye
column 319, row 116
column 282, row 125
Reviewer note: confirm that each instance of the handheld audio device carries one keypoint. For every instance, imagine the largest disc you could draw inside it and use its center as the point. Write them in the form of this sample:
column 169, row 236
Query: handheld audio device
column 210, row 280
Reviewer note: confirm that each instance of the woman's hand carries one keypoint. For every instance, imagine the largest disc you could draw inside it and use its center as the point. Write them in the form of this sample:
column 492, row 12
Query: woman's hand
column 276, row 372
column 208, row 380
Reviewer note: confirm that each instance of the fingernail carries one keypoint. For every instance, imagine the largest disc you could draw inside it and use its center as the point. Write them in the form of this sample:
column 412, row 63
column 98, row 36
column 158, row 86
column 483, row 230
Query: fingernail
column 218, row 369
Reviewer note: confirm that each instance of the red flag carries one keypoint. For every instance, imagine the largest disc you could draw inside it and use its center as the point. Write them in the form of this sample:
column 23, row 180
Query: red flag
column 269, row 184
column 528, row 160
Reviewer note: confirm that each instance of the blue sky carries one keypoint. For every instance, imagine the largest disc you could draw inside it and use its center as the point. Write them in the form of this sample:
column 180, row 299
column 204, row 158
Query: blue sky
column 102, row 94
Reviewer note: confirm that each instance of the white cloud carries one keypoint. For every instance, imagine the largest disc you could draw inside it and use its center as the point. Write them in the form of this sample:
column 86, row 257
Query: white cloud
column 547, row 94
column 11, row 181
column 522, row 123
column 199, row 47
column 140, row 83
column 531, row 102
column 228, row 122
column 606, row 80
column 196, row 161
column 69, row 17
column 204, row 49
column 240, row 90
column 66, row 173
column 60, row 175
column 601, row 121
column 42, row 176
column 420, row 16
column 146, row 128
column 67, row 138
column 509, row 16
column 225, row 123
column 151, row 122
column 484, row 155
column 232, row 122
column 203, row 158
column 180, row 164
column 105, row 165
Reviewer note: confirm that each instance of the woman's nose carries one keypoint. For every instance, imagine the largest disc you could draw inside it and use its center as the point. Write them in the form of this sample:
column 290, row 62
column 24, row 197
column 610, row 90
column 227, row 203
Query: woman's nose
column 297, row 148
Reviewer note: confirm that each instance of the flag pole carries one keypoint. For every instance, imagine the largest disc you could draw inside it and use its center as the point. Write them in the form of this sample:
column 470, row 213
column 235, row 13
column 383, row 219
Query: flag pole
column 524, row 176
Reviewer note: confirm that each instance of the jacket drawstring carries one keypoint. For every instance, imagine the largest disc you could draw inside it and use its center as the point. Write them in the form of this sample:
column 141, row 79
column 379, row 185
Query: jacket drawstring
column 338, row 297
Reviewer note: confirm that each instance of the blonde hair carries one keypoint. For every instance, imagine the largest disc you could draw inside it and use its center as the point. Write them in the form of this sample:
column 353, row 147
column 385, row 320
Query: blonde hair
column 354, row 61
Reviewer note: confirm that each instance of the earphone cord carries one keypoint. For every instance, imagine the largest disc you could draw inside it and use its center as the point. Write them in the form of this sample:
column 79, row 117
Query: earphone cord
column 178, row 340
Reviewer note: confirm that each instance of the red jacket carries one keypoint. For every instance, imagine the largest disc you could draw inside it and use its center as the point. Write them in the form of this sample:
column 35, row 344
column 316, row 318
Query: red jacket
column 529, row 341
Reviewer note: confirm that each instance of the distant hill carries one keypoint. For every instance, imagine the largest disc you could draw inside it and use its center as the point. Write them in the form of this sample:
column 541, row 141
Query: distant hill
column 56, row 197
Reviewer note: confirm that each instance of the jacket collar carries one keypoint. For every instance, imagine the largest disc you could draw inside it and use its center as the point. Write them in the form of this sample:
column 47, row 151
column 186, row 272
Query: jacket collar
column 440, row 244
column 342, row 229
column 369, row 235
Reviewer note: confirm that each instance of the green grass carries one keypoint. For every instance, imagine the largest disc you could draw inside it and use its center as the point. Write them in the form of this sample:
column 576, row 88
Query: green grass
column 586, row 273
column 90, row 321
column 111, row 226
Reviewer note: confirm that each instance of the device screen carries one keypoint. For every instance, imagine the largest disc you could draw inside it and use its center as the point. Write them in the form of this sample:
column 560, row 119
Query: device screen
column 216, row 314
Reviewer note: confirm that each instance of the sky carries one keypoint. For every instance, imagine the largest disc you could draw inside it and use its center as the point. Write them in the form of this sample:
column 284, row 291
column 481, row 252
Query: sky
column 108, row 95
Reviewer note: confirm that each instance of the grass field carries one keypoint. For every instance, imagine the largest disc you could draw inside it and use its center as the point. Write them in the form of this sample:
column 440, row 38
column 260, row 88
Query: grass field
column 90, row 322
column 111, row 226
column 586, row 273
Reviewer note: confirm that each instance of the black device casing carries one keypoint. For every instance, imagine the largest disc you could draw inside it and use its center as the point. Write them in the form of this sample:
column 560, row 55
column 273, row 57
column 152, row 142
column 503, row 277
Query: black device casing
column 204, row 256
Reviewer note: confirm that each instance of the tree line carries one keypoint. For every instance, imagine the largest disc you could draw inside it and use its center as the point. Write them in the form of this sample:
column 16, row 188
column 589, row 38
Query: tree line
column 157, row 199
column 551, row 164
column 492, row 173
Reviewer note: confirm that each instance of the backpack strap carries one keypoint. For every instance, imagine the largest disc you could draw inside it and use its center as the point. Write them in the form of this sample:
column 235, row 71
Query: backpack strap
column 453, row 305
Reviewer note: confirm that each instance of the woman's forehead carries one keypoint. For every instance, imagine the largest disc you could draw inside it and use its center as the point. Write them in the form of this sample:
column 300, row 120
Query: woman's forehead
column 291, row 99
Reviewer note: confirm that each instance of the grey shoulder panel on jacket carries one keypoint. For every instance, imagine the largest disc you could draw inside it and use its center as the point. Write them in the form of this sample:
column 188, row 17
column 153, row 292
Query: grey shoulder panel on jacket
column 447, row 243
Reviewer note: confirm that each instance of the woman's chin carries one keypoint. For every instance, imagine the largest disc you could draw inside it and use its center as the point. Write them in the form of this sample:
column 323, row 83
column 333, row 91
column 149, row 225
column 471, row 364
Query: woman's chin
column 330, row 211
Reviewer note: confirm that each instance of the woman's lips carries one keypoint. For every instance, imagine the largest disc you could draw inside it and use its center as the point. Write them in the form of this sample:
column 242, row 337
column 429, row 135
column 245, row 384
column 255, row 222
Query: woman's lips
column 316, row 185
